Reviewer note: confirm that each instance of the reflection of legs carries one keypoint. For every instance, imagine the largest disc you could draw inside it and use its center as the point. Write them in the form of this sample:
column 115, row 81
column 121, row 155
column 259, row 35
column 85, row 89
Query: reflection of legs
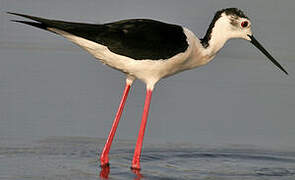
column 104, row 172
column 137, row 152
column 137, row 173
column 104, row 157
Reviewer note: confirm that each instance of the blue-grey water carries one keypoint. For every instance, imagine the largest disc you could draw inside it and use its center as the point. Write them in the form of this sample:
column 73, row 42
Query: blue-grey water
column 231, row 119
column 75, row 158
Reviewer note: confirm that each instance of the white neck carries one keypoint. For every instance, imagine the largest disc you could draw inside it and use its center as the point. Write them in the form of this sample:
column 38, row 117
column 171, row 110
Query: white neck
column 219, row 36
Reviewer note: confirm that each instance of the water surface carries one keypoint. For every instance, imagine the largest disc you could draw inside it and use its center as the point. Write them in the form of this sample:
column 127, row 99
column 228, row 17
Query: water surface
column 76, row 158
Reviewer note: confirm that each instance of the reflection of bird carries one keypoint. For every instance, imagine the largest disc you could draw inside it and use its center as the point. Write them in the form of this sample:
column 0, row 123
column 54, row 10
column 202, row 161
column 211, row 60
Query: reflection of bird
column 150, row 50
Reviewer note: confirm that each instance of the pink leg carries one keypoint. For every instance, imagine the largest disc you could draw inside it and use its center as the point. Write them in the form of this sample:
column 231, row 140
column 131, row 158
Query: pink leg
column 104, row 157
column 137, row 152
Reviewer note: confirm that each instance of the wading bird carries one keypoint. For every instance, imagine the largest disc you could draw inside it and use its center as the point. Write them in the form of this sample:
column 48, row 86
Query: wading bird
column 150, row 50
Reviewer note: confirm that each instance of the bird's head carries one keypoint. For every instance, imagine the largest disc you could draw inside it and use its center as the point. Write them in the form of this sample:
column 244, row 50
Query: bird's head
column 232, row 23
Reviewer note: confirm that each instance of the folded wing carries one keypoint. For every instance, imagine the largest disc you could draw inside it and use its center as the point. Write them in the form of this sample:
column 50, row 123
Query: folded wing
column 139, row 39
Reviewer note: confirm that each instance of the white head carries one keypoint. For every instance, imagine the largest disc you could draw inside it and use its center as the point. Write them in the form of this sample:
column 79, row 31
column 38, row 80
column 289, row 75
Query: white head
column 227, row 24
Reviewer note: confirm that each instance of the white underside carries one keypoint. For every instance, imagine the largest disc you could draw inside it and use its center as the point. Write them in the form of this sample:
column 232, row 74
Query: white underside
column 149, row 71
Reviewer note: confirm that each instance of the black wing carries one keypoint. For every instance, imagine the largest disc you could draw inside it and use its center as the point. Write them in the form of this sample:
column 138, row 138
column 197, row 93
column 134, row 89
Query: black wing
column 135, row 38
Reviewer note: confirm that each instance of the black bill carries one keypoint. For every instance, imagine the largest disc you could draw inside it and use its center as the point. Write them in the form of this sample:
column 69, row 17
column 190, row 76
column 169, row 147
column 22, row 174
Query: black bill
column 261, row 48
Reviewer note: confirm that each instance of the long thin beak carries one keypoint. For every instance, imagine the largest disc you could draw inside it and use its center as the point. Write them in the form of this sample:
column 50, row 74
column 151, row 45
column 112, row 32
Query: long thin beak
column 261, row 48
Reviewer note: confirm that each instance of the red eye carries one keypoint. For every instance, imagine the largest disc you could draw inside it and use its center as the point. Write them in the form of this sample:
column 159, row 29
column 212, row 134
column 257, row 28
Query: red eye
column 244, row 24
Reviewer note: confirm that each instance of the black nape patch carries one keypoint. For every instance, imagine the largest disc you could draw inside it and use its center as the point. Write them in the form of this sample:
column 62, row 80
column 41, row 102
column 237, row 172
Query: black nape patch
column 229, row 11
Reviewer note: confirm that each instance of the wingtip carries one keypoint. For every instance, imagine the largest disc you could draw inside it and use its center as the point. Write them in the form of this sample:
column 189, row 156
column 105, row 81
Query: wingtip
column 26, row 16
column 17, row 21
column 13, row 13
column 35, row 24
column 17, row 14
column 13, row 19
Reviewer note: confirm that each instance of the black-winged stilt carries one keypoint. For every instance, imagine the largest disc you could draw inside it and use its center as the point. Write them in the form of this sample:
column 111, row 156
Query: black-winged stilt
column 150, row 50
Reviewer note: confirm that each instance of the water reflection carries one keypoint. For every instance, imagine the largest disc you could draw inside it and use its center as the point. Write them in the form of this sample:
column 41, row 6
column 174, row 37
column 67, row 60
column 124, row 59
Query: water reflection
column 105, row 172
column 74, row 158
column 137, row 173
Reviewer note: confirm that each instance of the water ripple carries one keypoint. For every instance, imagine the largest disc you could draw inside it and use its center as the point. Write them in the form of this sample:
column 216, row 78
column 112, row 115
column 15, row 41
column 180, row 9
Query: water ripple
column 76, row 158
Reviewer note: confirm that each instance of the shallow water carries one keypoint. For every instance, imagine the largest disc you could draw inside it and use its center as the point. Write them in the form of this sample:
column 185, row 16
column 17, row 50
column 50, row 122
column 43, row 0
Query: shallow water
column 76, row 158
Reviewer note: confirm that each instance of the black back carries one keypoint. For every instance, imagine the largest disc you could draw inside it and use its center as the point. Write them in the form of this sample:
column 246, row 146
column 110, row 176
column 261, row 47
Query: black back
column 135, row 38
